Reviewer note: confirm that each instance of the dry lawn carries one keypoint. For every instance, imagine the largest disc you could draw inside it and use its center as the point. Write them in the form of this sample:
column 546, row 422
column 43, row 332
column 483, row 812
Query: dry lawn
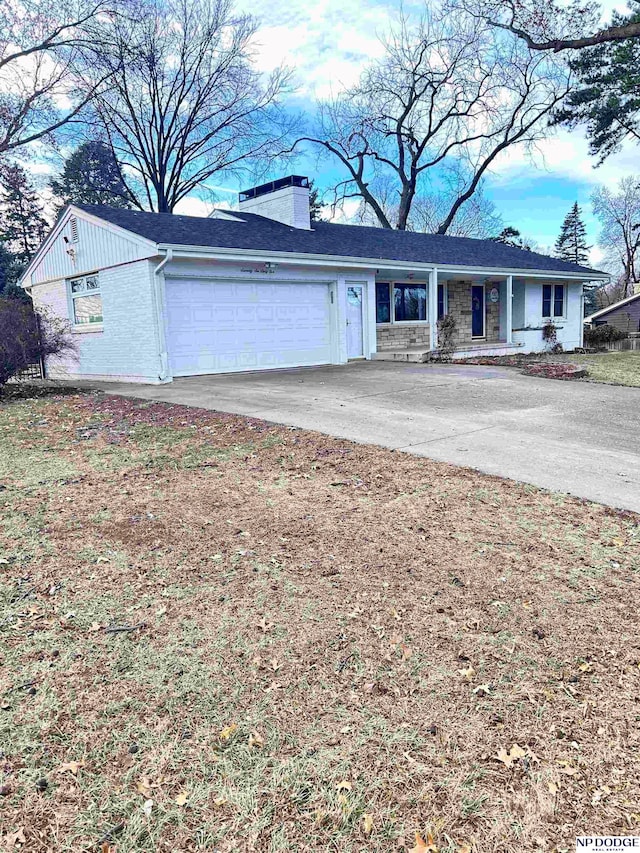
column 333, row 647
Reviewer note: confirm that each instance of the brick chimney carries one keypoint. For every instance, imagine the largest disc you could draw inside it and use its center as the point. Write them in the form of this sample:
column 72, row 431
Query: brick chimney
column 285, row 200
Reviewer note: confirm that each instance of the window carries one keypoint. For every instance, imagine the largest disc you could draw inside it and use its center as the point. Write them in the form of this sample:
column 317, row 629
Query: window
column 410, row 302
column 553, row 300
column 86, row 301
column 383, row 303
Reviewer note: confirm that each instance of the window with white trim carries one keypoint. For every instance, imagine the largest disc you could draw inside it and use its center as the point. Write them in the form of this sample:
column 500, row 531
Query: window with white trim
column 86, row 300
column 553, row 300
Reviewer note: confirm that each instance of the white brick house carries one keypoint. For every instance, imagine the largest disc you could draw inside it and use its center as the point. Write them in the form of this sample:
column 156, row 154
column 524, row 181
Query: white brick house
column 152, row 296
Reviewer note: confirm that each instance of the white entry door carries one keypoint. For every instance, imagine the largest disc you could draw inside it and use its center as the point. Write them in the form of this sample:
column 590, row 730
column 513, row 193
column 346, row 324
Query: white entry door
column 217, row 326
column 355, row 336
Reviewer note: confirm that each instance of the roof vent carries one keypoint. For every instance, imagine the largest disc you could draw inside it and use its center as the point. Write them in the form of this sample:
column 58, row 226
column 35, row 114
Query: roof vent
column 285, row 200
column 73, row 224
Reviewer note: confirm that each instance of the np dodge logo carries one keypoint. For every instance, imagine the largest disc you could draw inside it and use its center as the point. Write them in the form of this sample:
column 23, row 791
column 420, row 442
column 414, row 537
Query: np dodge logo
column 607, row 842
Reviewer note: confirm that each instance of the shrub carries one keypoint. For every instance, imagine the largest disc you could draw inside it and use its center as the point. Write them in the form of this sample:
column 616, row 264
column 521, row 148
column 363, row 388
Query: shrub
column 25, row 337
column 604, row 334
column 550, row 335
column 446, row 335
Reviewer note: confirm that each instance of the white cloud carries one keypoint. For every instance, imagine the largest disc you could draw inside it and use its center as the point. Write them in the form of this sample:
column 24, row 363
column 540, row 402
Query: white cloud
column 565, row 154
column 328, row 43
column 193, row 206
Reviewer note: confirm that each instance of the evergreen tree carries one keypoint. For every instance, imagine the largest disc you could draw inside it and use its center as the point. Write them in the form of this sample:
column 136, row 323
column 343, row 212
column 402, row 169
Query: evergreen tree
column 10, row 269
column 91, row 175
column 512, row 237
column 571, row 244
column 315, row 206
column 606, row 100
column 22, row 223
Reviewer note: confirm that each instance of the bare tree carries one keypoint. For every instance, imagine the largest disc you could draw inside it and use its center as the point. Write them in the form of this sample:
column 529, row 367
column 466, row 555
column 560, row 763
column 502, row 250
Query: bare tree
column 185, row 102
column 477, row 218
column 547, row 26
column 39, row 43
column 450, row 95
column 619, row 216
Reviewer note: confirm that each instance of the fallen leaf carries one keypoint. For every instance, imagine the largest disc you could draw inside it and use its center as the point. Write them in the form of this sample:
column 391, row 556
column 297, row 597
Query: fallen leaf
column 367, row 823
column 182, row 799
column 406, row 651
column 227, row 731
column 423, row 846
column 275, row 666
column 71, row 767
column 147, row 807
column 344, row 786
column 465, row 848
column 220, row 801
column 514, row 754
column 485, row 689
column 143, row 786
column 553, row 788
column 467, row 673
column 13, row 839
column 256, row 739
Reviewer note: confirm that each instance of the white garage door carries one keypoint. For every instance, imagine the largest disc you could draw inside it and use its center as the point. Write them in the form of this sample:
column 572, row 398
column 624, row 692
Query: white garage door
column 217, row 326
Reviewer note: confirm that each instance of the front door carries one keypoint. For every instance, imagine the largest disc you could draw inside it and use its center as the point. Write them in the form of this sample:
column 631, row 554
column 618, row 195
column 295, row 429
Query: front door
column 355, row 338
column 477, row 311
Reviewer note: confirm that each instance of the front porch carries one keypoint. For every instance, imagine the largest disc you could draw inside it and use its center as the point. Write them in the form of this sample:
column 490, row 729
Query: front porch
column 423, row 318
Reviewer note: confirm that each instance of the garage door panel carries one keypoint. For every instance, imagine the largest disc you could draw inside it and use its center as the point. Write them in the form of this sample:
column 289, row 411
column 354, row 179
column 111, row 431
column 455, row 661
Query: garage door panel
column 216, row 326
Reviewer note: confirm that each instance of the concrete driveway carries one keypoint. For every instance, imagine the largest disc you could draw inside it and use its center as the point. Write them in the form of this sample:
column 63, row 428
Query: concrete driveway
column 576, row 437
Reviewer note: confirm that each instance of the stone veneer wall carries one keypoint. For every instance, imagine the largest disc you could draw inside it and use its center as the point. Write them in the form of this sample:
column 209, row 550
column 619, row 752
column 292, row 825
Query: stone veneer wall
column 405, row 336
column 459, row 306
column 402, row 336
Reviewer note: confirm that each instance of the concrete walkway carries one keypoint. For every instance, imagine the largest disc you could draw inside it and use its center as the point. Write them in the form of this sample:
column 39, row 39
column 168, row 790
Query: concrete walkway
column 576, row 437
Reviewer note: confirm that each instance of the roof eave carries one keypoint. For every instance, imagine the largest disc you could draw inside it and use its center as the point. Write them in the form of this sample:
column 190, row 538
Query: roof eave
column 609, row 308
column 368, row 263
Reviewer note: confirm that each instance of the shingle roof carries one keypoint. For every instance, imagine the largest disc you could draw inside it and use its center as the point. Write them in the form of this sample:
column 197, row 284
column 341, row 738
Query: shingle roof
column 326, row 238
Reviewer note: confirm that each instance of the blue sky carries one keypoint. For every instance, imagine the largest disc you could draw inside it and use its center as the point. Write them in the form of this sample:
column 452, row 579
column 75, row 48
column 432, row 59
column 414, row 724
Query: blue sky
column 329, row 42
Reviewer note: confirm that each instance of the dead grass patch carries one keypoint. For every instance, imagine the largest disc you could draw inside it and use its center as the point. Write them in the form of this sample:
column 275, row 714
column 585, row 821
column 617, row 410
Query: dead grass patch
column 332, row 646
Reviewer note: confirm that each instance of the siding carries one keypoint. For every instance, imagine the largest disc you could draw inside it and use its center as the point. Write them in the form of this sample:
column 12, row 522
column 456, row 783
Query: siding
column 569, row 328
column 97, row 247
column 626, row 317
column 127, row 347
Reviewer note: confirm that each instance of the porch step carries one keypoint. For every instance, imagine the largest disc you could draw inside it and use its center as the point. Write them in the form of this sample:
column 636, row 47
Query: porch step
column 419, row 355
column 416, row 355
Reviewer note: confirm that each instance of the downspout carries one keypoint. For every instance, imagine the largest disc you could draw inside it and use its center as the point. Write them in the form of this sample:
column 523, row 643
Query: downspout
column 158, row 303
column 582, row 317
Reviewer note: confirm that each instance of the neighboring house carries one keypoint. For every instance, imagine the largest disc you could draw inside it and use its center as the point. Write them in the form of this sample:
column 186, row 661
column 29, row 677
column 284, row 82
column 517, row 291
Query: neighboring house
column 624, row 315
column 154, row 296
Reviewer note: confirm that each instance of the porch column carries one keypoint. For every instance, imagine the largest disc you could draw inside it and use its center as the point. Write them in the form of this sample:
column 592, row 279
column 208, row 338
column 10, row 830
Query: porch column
column 509, row 309
column 433, row 309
